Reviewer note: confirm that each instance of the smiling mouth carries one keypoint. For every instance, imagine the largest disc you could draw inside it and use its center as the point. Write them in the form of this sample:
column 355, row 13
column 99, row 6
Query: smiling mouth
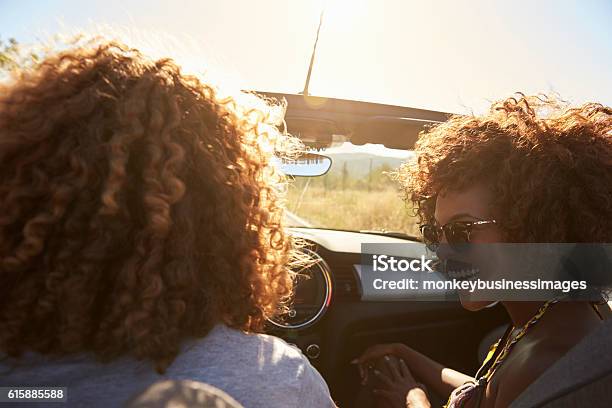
column 460, row 270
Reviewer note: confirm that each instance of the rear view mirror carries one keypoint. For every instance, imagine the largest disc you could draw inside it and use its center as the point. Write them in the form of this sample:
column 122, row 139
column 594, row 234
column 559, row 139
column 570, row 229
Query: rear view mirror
column 307, row 165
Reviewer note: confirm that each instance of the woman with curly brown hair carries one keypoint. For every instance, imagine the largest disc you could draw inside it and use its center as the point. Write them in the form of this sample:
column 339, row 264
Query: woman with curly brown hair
column 141, row 234
column 526, row 172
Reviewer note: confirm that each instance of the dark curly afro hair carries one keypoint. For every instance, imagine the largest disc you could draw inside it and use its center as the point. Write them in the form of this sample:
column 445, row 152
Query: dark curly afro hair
column 138, row 207
column 549, row 167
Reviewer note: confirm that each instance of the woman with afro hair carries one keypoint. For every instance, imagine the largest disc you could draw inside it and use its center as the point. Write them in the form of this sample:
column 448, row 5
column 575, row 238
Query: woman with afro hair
column 141, row 234
column 529, row 171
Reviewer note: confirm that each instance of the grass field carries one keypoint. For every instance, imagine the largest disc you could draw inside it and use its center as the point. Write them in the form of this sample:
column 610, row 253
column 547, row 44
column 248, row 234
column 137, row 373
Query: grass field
column 353, row 209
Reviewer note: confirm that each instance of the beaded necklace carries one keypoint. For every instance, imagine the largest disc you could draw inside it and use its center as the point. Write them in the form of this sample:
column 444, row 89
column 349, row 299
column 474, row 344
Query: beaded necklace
column 509, row 345
column 464, row 393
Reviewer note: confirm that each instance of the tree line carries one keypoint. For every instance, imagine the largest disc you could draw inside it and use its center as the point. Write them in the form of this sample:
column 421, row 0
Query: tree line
column 340, row 178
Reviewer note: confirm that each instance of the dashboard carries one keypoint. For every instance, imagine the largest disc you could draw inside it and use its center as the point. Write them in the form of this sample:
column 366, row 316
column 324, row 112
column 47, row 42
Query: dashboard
column 316, row 284
column 312, row 294
column 333, row 321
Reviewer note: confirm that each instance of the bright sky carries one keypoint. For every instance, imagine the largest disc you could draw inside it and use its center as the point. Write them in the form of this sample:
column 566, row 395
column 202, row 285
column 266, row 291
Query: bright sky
column 444, row 55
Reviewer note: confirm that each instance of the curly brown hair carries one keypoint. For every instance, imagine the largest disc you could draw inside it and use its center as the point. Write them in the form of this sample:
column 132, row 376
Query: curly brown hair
column 549, row 168
column 138, row 208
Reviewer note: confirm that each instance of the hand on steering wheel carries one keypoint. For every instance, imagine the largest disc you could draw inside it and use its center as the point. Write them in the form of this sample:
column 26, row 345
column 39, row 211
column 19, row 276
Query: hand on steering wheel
column 369, row 357
column 399, row 388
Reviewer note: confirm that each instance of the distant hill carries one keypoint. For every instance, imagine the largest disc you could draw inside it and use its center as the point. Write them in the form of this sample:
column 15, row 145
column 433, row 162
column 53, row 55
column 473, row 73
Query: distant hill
column 358, row 164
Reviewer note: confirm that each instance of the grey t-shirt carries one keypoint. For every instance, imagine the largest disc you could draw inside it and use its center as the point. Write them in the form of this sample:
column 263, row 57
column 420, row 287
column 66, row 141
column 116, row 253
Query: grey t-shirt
column 257, row 370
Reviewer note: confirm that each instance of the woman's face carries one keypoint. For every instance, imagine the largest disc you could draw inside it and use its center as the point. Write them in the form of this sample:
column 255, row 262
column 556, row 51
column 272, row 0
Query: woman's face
column 471, row 204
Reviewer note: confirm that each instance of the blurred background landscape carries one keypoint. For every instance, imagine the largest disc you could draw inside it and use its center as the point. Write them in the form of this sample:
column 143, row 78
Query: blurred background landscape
column 356, row 194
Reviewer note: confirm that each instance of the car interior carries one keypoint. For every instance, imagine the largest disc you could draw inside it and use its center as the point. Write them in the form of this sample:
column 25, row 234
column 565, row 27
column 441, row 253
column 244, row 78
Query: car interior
column 331, row 321
column 346, row 196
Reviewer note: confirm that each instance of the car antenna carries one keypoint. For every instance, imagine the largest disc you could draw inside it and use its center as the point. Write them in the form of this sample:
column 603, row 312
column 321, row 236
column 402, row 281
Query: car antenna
column 314, row 50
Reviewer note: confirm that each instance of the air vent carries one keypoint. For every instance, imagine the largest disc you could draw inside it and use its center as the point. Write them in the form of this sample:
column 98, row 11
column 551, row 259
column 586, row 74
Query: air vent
column 345, row 283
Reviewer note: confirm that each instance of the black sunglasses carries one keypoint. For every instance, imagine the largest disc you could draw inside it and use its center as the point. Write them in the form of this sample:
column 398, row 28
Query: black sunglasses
column 457, row 233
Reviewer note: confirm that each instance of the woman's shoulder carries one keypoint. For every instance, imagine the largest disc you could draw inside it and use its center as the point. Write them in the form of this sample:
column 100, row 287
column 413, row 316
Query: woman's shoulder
column 228, row 347
column 529, row 359
column 237, row 358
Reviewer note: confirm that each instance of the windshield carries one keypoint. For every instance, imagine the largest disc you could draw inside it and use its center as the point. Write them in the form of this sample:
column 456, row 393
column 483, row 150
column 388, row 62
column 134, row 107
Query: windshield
column 357, row 193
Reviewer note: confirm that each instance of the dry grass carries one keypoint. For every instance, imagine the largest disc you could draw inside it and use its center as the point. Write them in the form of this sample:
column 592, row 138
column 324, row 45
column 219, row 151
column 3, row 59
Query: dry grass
column 353, row 209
